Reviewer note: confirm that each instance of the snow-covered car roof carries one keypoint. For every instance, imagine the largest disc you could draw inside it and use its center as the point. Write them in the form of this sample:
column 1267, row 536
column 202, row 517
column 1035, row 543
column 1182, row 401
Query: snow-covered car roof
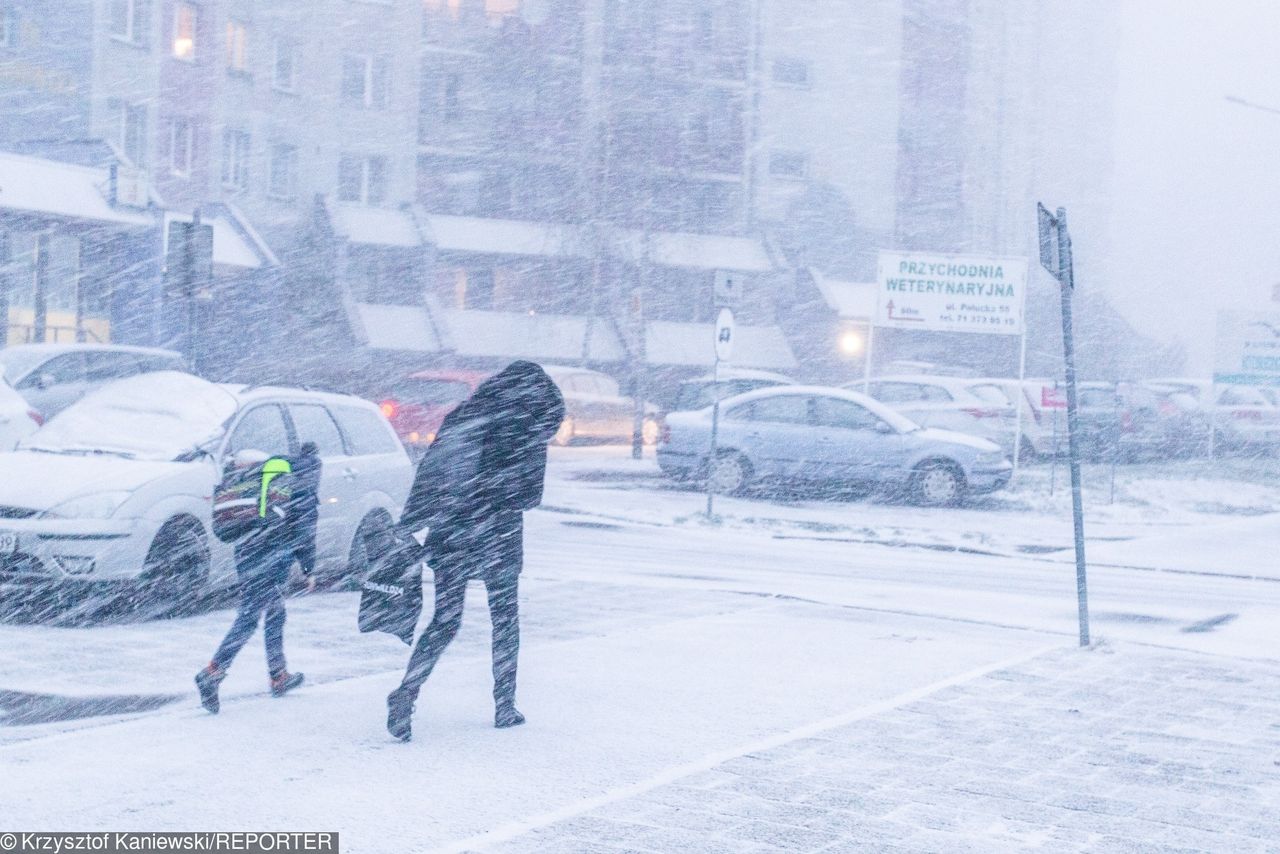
column 743, row 374
column 53, row 349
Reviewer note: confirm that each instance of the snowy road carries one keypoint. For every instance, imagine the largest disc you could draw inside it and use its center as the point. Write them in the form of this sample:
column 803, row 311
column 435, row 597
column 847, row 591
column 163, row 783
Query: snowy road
column 653, row 641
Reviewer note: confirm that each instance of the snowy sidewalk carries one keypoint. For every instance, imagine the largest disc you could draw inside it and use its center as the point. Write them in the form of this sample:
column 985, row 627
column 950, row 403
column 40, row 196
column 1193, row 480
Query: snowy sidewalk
column 1115, row 749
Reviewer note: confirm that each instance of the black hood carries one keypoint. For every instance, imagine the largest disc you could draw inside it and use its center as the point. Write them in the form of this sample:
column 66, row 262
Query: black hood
column 520, row 399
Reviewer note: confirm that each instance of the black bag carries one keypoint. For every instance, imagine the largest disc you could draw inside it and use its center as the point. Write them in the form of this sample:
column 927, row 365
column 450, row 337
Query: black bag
column 391, row 597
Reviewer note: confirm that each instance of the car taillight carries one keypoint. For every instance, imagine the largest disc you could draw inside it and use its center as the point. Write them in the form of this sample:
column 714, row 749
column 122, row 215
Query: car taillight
column 1126, row 421
column 983, row 413
column 389, row 408
column 1246, row 414
column 1168, row 408
column 36, row 417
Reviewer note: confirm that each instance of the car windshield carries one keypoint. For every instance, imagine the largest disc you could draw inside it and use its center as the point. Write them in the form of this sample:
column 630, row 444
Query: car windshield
column 16, row 364
column 159, row 416
column 431, row 392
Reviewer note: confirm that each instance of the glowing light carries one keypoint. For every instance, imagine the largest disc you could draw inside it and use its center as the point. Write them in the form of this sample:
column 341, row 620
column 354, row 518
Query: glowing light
column 851, row 343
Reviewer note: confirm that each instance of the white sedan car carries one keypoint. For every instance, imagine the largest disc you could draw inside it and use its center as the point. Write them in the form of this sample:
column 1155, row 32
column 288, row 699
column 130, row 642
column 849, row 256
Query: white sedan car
column 17, row 419
column 118, row 487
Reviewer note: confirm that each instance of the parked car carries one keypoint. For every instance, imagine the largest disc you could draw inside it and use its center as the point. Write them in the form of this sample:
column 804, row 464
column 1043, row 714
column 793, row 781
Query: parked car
column 17, row 419
column 1130, row 421
column 53, row 376
column 704, row 391
column 1041, row 436
column 417, row 404
column 595, row 410
column 945, row 403
column 117, row 490
column 811, row 434
column 1242, row 416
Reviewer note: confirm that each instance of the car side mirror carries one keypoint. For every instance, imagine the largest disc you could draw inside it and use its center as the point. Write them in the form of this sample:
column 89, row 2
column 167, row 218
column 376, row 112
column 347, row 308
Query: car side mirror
column 43, row 381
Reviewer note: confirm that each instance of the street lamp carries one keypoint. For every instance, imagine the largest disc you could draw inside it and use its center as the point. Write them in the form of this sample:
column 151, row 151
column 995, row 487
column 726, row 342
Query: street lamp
column 851, row 343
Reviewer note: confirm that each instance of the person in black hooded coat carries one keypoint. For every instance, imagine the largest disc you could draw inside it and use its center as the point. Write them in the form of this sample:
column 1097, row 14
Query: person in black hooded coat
column 473, row 504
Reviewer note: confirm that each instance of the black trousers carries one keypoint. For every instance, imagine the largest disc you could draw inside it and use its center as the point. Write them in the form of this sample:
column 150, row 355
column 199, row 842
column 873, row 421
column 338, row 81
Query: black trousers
column 504, row 611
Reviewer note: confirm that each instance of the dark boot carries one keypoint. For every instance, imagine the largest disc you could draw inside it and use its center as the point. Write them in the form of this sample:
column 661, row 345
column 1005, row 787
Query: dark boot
column 207, row 682
column 284, row 682
column 507, row 715
column 400, row 713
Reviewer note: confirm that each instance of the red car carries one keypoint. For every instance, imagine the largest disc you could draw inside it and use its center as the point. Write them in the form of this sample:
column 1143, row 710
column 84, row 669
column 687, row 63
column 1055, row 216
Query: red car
column 417, row 404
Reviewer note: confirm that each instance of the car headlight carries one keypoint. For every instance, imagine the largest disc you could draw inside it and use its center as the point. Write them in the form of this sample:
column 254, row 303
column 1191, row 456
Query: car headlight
column 98, row 505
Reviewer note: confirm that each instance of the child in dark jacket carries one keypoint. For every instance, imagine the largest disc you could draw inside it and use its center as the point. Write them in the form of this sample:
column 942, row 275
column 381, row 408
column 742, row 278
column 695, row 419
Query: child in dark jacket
column 263, row 560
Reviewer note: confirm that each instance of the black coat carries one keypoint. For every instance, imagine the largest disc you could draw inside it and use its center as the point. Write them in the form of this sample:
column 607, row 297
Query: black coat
column 495, row 449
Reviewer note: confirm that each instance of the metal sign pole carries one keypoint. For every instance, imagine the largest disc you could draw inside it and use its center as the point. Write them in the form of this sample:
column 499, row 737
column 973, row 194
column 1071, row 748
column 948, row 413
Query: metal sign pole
column 1073, row 426
column 1053, row 229
column 866, row 368
column 715, row 430
column 1022, row 393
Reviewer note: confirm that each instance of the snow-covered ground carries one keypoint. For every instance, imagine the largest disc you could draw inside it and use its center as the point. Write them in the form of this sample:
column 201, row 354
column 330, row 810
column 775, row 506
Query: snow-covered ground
column 656, row 643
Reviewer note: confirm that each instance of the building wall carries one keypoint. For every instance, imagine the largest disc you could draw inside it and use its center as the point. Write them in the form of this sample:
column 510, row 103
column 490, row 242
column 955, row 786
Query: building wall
column 828, row 80
column 45, row 72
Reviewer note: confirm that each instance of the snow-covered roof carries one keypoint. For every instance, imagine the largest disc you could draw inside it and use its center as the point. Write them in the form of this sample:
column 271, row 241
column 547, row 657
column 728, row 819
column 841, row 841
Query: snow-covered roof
column 397, row 327
column 848, row 299
column 531, row 336
column 700, row 251
column 375, row 226
column 53, row 188
column 504, row 236
column 668, row 343
column 232, row 247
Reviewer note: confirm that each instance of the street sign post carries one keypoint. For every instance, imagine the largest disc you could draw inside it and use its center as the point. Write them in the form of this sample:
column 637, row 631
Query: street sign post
column 1055, row 256
column 188, row 273
column 725, row 331
column 728, row 288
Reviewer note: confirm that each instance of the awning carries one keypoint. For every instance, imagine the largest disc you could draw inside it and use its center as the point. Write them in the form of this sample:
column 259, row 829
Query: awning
column 51, row 188
column 669, row 343
column 375, row 226
column 699, row 251
column 551, row 337
column 855, row 300
column 232, row 247
column 505, row 236
column 397, row 327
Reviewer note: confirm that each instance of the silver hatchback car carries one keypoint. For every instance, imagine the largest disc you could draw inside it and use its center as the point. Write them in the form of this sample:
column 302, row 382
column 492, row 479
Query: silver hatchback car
column 811, row 434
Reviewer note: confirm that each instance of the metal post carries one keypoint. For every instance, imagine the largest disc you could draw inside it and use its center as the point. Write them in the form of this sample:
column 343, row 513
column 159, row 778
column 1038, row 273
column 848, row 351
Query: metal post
column 1115, row 450
column 40, row 323
column 715, row 436
column 1022, row 393
column 189, row 286
column 5, row 259
column 866, row 366
column 1073, row 440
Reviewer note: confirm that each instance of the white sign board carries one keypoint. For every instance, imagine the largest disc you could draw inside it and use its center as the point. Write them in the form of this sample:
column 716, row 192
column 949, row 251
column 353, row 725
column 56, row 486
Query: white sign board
column 1248, row 348
column 951, row 293
column 725, row 331
column 728, row 287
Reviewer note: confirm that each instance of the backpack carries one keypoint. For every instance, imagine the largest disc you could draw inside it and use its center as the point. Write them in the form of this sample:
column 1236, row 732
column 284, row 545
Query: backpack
column 251, row 498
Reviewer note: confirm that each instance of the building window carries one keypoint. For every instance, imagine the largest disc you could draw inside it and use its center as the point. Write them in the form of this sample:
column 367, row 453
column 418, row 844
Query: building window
column 364, row 81
column 284, row 171
column 237, row 46
column 181, row 147
column 8, row 27
column 284, row 67
column 362, row 179
column 129, row 20
column 184, row 32
column 788, row 164
column 235, row 159
column 133, row 133
column 791, row 72
column 452, row 101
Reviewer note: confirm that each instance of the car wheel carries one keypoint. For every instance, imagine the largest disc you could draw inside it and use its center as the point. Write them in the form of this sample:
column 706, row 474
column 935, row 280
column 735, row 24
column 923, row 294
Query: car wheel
column 729, row 474
column 937, row 485
column 564, row 435
column 371, row 541
column 177, row 565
